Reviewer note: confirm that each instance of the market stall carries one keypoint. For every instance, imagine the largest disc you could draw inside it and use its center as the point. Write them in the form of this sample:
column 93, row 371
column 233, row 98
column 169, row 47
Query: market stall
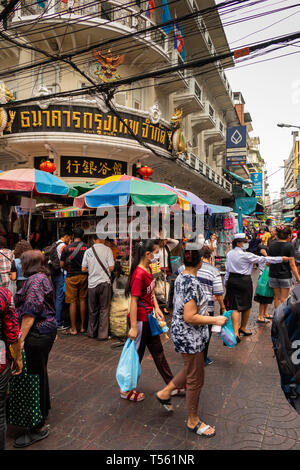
column 223, row 222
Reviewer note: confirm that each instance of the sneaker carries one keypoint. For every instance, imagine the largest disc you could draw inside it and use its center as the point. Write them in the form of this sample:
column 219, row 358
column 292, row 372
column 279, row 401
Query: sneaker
column 208, row 361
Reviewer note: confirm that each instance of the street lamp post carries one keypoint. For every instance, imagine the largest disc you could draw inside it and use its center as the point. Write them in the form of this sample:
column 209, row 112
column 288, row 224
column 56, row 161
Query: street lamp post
column 287, row 125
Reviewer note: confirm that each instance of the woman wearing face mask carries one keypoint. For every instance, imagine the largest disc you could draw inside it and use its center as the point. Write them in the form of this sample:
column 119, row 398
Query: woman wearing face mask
column 141, row 288
column 238, row 282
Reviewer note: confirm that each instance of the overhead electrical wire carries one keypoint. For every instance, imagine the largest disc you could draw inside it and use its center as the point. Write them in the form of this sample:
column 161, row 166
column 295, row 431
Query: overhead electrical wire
column 39, row 64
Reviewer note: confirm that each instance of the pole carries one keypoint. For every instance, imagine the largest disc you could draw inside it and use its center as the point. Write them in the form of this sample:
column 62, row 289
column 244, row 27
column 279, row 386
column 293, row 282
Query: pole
column 29, row 218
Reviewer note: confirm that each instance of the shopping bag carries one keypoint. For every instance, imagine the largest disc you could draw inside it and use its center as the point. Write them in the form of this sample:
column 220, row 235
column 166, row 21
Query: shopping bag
column 263, row 289
column 129, row 368
column 154, row 326
column 227, row 332
column 23, row 404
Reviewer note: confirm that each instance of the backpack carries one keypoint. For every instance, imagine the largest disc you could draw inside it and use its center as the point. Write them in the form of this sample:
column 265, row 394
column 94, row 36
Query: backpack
column 52, row 257
column 285, row 334
column 297, row 250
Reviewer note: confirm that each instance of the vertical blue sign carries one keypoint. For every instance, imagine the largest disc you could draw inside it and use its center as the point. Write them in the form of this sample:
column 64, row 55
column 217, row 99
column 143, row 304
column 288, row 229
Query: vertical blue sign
column 257, row 180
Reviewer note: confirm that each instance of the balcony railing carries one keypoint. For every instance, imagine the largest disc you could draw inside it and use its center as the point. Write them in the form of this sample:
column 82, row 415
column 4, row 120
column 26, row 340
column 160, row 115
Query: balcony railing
column 205, row 170
column 111, row 12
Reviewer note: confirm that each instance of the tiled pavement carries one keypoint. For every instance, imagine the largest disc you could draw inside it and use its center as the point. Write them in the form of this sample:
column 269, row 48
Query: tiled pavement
column 241, row 397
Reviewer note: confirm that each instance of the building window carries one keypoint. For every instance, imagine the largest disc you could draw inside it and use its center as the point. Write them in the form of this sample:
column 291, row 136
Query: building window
column 198, row 92
column 221, row 126
column 195, row 141
column 211, row 112
column 106, row 11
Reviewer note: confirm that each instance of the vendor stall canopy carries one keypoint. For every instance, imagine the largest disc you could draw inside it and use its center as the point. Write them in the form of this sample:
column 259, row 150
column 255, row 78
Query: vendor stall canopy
column 219, row 209
column 238, row 178
column 118, row 193
column 29, row 180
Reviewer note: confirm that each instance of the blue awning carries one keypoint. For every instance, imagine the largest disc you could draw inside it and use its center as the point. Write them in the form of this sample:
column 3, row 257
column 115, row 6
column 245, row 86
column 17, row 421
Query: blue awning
column 238, row 178
column 219, row 209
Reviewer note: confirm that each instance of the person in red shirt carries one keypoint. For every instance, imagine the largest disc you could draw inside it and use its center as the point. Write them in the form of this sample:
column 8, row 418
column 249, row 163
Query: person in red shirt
column 141, row 288
column 10, row 335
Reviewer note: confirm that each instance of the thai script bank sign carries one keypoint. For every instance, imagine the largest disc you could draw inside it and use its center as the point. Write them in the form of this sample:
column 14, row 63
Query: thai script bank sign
column 89, row 120
column 236, row 146
column 257, row 180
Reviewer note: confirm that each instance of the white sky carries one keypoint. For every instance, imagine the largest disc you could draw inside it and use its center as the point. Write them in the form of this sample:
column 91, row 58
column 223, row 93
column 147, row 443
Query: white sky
column 271, row 89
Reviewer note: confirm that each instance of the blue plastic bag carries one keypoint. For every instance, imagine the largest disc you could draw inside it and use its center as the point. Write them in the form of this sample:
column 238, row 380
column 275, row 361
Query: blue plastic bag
column 227, row 332
column 154, row 326
column 129, row 367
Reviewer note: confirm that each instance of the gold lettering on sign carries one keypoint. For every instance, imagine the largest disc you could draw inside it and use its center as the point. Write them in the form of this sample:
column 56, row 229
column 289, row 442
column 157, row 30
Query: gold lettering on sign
column 117, row 168
column 107, row 124
column 103, row 168
column 98, row 120
column 76, row 118
column 36, row 118
column 145, row 129
column 47, row 113
column 25, row 119
column 122, row 126
column 134, row 126
column 90, row 116
column 68, row 114
column 77, row 165
column 115, row 129
column 68, row 166
column 56, row 116
column 162, row 139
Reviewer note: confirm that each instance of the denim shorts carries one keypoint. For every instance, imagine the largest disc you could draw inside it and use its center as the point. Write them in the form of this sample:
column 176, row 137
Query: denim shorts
column 280, row 283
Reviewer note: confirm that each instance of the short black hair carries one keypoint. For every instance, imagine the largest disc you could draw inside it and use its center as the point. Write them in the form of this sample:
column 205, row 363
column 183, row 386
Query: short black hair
column 67, row 231
column 192, row 257
column 78, row 232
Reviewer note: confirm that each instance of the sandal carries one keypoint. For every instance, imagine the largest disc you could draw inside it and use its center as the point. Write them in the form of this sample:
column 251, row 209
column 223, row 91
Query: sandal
column 178, row 392
column 30, row 438
column 68, row 333
column 165, row 403
column 133, row 395
column 262, row 321
column 201, row 431
column 244, row 332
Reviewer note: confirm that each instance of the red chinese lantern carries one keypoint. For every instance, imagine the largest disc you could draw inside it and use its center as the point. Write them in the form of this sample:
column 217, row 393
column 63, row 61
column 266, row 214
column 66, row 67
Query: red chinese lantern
column 48, row 166
column 145, row 172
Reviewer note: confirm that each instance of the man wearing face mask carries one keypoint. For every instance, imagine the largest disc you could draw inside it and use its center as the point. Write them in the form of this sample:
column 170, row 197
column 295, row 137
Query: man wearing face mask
column 238, row 281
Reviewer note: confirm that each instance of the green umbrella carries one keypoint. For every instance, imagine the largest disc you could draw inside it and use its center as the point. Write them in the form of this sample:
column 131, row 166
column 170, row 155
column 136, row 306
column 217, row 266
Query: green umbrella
column 77, row 189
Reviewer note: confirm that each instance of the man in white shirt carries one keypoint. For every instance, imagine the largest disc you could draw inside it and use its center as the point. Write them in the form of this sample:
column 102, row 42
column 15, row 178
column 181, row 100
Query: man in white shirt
column 98, row 261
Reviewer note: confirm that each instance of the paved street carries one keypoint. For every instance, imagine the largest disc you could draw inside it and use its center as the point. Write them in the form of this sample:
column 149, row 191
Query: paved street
column 241, row 397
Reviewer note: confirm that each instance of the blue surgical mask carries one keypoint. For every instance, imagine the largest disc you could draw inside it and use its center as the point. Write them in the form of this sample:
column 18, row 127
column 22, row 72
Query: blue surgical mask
column 155, row 258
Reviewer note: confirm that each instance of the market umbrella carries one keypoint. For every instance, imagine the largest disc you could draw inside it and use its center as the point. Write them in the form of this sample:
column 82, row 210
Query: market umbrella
column 29, row 180
column 77, row 189
column 119, row 193
column 113, row 178
column 33, row 182
column 198, row 205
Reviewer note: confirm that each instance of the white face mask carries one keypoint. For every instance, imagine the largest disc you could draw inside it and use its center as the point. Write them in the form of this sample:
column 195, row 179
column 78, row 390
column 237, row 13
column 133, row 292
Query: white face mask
column 245, row 246
column 155, row 258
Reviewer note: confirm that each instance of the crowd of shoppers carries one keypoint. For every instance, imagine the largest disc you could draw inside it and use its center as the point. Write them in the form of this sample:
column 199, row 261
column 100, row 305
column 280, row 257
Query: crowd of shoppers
column 74, row 273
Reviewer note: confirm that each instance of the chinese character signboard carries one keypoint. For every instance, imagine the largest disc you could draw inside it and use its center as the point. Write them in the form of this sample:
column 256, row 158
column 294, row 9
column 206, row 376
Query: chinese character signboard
column 87, row 167
column 257, row 180
column 89, row 120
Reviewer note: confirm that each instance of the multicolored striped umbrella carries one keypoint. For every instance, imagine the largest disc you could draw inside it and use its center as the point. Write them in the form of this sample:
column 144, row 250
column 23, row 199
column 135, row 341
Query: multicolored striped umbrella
column 119, row 193
column 114, row 178
column 29, row 180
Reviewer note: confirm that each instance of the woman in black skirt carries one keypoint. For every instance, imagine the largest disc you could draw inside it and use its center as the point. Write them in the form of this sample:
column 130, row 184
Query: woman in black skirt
column 238, row 281
column 35, row 305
